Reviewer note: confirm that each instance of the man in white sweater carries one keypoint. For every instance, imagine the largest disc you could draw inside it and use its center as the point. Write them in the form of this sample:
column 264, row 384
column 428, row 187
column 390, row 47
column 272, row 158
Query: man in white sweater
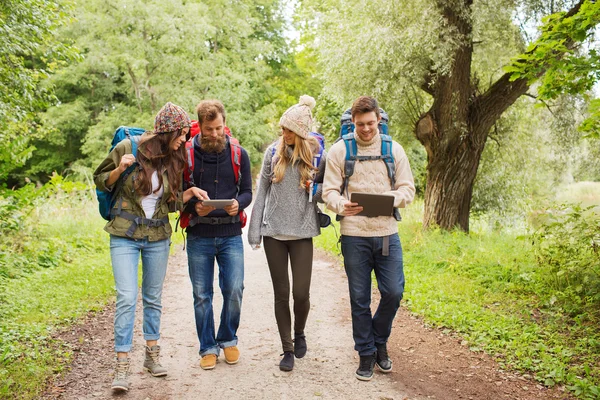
column 369, row 243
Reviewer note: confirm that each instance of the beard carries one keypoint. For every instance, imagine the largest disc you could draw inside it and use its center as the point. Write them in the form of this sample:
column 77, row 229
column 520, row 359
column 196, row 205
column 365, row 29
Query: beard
column 213, row 146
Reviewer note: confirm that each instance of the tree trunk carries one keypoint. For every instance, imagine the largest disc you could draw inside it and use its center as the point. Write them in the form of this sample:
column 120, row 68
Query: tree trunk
column 449, row 188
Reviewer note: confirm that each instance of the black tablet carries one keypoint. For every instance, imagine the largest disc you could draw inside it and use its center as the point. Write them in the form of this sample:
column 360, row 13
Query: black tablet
column 374, row 205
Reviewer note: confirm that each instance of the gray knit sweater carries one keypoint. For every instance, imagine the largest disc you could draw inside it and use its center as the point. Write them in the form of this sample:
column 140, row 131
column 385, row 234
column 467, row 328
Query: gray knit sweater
column 283, row 208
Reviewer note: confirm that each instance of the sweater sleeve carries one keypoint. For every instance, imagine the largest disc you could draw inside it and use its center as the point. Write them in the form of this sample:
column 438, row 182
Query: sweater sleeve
column 334, row 178
column 264, row 183
column 404, row 189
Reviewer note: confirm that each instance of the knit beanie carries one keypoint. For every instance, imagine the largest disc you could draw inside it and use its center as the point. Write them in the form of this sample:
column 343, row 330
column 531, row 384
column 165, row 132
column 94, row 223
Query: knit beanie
column 170, row 118
column 298, row 118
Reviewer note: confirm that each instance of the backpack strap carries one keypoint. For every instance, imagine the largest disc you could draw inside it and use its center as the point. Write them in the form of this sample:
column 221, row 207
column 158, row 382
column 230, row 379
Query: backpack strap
column 388, row 158
column 236, row 159
column 351, row 157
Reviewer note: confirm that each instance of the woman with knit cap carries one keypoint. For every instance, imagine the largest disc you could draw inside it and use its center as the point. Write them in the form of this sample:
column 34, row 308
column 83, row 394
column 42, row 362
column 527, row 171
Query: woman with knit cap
column 285, row 217
column 140, row 225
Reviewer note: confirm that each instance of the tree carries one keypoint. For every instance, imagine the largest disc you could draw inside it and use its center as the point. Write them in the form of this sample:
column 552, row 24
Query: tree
column 29, row 52
column 434, row 57
column 138, row 55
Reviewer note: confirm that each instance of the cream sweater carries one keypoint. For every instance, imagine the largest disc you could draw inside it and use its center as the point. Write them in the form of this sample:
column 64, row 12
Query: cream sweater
column 369, row 177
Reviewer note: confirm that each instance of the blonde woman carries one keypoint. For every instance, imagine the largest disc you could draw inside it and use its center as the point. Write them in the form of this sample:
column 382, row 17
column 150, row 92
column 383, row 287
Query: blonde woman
column 285, row 217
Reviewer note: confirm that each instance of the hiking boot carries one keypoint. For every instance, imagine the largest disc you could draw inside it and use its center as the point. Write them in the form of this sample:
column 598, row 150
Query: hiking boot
column 208, row 361
column 120, row 382
column 152, row 363
column 365, row 367
column 300, row 346
column 232, row 354
column 287, row 362
column 384, row 364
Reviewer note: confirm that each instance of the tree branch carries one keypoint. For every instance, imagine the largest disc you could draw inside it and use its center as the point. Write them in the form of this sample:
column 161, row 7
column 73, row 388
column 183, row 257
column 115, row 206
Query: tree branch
column 488, row 107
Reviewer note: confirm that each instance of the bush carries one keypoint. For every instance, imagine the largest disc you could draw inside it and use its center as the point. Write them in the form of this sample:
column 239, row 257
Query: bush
column 568, row 246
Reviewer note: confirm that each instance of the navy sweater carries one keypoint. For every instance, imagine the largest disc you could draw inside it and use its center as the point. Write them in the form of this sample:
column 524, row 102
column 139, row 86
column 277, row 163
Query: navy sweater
column 214, row 173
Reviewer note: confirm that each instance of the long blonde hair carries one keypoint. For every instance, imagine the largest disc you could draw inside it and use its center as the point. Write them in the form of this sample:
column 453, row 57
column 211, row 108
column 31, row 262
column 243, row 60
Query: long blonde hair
column 304, row 150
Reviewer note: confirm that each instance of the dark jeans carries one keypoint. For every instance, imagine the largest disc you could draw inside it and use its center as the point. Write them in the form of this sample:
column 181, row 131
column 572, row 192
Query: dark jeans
column 202, row 252
column 300, row 253
column 361, row 256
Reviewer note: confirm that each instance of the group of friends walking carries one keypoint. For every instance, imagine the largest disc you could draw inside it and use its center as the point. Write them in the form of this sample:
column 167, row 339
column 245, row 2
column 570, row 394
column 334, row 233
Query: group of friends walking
column 296, row 175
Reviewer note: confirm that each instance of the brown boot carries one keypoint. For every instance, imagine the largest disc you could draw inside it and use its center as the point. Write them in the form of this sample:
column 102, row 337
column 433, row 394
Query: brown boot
column 208, row 361
column 232, row 354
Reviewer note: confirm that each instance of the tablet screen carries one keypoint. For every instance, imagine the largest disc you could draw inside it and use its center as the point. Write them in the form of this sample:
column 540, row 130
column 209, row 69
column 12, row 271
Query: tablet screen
column 374, row 205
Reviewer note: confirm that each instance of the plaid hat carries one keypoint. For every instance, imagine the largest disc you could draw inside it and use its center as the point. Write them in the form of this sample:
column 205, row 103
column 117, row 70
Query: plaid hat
column 171, row 118
column 298, row 118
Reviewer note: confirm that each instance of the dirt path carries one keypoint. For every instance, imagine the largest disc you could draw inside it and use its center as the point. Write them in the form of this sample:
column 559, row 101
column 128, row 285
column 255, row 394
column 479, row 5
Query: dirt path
column 428, row 364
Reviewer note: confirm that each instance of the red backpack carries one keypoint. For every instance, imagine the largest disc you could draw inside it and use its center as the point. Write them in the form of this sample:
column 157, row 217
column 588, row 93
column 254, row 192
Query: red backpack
column 188, row 173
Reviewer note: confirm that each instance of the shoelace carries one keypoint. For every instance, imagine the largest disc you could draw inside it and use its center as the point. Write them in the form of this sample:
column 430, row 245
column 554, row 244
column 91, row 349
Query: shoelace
column 154, row 355
column 122, row 369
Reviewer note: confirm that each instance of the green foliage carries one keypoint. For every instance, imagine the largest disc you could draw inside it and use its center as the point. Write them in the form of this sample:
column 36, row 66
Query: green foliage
column 591, row 126
column 557, row 54
column 506, row 188
column 29, row 53
column 54, row 268
column 137, row 56
column 568, row 247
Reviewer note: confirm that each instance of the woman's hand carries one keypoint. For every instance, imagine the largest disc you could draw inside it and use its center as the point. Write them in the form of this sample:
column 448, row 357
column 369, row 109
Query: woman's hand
column 126, row 161
column 195, row 192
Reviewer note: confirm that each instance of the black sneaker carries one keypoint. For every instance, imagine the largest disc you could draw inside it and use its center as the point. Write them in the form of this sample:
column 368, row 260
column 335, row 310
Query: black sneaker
column 365, row 368
column 383, row 360
column 300, row 346
column 287, row 362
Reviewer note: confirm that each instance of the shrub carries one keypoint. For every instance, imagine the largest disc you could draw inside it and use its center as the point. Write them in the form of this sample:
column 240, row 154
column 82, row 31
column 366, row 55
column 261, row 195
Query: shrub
column 568, row 246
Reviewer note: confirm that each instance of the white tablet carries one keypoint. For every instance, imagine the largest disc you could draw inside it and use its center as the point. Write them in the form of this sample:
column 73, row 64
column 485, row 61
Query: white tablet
column 221, row 203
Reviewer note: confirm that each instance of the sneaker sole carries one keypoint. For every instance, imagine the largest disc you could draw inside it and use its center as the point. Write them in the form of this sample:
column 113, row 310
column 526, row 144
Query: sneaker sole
column 364, row 378
column 155, row 375
column 232, row 362
column 208, row 368
column 385, row 371
column 118, row 388
column 285, row 369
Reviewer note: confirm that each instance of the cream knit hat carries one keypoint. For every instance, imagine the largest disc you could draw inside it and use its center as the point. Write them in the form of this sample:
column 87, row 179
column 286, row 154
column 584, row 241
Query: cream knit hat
column 298, row 118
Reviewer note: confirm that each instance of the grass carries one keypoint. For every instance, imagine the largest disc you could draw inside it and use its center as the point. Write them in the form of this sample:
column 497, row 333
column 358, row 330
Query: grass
column 487, row 287
column 73, row 278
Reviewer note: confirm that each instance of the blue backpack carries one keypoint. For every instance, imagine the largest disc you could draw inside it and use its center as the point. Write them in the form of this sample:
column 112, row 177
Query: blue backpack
column 107, row 200
column 316, row 158
column 347, row 135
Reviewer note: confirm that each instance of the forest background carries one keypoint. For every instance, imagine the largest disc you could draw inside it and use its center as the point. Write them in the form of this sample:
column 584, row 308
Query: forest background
column 495, row 104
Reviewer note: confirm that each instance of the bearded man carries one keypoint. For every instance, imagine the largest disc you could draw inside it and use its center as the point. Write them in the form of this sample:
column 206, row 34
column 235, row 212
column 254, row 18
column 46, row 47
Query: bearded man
column 215, row 234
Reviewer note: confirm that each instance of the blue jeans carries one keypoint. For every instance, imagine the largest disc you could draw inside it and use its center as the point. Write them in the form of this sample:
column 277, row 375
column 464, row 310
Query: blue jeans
column 125, row 257
column 229, row 253
column 361, row 256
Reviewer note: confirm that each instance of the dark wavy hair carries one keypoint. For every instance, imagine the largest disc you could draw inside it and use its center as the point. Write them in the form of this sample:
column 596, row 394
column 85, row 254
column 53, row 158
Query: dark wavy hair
column 155, row 153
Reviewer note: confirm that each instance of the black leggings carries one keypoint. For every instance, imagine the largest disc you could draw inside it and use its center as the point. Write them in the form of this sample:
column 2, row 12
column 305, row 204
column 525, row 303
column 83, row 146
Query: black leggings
column 300, row 253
